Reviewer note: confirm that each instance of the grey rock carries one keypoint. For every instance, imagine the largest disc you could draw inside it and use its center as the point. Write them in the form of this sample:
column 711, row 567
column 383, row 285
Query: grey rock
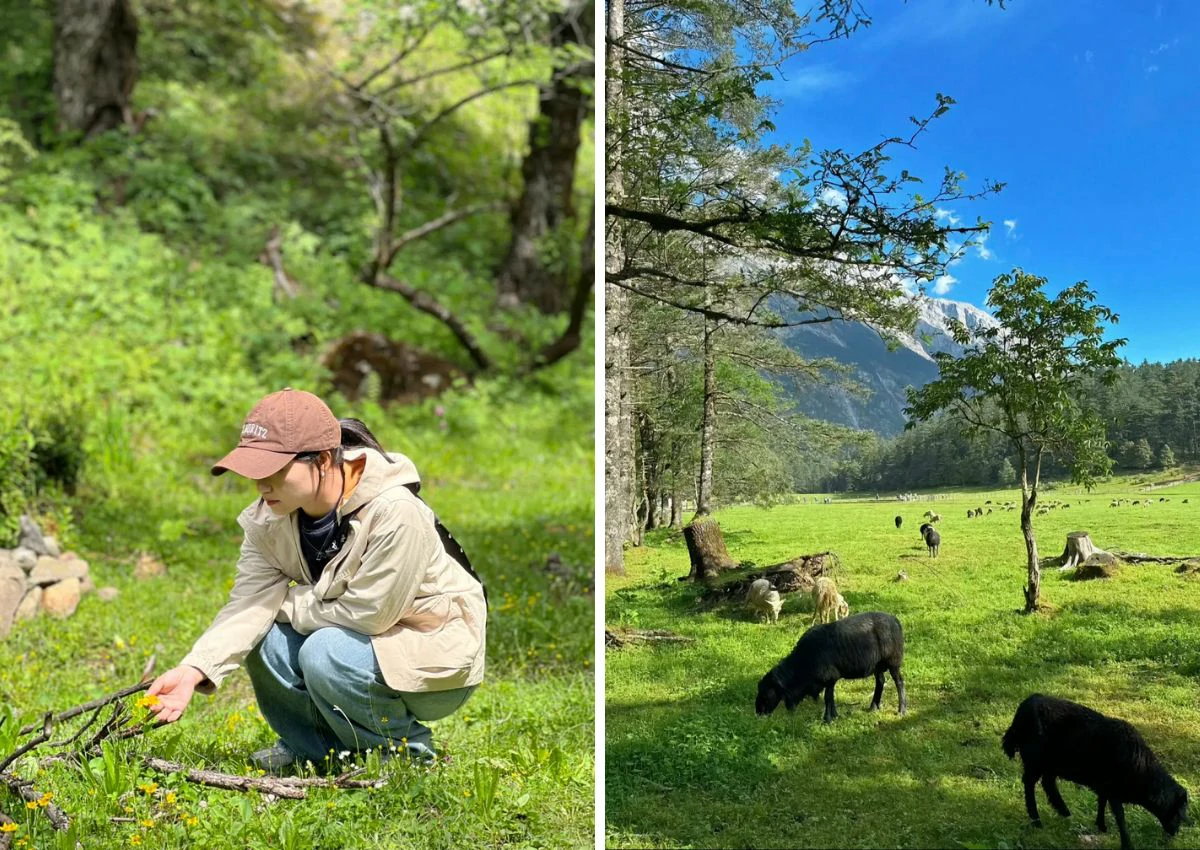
column 52, row 547
column 31, row 536
column 51, row 570
column 30, row 605
column 26, row 558
column 60, row 600
column 107, row 594
column 12, row 591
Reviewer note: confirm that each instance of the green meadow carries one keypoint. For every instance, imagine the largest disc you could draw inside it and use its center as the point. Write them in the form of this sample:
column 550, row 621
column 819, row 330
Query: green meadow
column 688, row 764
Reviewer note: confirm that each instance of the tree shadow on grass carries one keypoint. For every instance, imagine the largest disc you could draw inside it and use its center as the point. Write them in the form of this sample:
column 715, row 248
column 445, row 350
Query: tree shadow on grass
column 703, row 770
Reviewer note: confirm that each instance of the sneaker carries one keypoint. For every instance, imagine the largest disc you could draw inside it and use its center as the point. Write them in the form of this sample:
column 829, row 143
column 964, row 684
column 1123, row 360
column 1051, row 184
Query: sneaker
column 276, row 760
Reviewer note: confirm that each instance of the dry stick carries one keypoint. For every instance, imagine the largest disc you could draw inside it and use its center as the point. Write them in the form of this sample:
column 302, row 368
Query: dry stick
column 114, row 721
column 30, row 744
column 86, row 725
column 148, row 670
column 25, row 789
column 290, row 787
column 80, row 709
column 5, row 837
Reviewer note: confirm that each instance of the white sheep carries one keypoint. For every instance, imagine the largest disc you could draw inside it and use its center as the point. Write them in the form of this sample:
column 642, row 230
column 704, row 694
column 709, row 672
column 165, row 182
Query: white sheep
column 828, row 604
column 762, row 599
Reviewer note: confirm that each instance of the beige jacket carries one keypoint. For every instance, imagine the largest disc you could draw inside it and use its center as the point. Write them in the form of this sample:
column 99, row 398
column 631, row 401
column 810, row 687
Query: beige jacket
column 392, row 580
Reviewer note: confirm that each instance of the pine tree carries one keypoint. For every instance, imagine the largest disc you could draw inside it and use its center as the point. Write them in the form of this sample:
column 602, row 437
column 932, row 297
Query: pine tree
column 1166, row 457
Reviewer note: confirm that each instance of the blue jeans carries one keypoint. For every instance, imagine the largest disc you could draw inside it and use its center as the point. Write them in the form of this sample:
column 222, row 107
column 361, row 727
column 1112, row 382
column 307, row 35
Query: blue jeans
column 324, row 693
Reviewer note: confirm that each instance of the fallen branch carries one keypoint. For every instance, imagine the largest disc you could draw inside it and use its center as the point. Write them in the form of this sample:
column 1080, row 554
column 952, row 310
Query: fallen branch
column 30, row 744
column 426, row 303
column 1141, row 558
column 627, row 636
column 26, row 791
column 87, row 706
column 5, row 837
column 293, row 788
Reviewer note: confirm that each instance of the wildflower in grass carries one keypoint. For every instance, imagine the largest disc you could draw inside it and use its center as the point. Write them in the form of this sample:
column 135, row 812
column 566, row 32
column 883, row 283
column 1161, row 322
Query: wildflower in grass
column 9, row 827
column 170, row 798
column 148, row 787
column 147, row 822
column 46, row 798
column 32, row 804
column 147, row 701
column 193, row 820
column 135, row 840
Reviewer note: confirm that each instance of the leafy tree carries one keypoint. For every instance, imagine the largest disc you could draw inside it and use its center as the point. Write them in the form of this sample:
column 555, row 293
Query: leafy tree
column 1005, row 474
column 1143, row 455
column 1166, row 457
column 794, row 236
column 1022, row 379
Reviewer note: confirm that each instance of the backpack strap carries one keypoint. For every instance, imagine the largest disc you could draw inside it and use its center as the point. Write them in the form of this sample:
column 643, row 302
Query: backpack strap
column 452, row 547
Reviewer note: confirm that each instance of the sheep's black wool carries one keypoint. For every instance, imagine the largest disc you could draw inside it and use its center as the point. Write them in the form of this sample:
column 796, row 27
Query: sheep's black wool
column 899, row 521
column 1059, row 738
column 933, row 540
column 851, row 648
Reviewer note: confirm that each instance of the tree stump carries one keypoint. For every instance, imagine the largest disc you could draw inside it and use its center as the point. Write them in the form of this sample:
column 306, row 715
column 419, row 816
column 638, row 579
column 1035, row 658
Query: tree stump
column 1099, row 565
column 706, row 549
column 795, row 576
column 1078, row 549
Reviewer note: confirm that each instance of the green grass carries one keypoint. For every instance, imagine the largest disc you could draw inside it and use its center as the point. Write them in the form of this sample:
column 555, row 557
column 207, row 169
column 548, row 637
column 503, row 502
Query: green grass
column 521, row 763
column 688, row 764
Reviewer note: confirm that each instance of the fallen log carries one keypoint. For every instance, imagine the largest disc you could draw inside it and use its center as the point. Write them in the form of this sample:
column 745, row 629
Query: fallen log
column 618, row 638
column 1142, row 558
column 795, row 576
column 25, row 790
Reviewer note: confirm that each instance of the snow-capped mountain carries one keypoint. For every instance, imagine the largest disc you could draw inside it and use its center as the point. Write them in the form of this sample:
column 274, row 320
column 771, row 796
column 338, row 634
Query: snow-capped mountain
column 885, row 374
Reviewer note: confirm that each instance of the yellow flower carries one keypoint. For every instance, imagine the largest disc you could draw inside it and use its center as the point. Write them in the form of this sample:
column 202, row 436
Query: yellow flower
column 148, row 823
column 170, row 798
column 148, row 787
column 193, row 820
column 148, row 700
column 9, row 827
column 135, row 839
column 31, row 805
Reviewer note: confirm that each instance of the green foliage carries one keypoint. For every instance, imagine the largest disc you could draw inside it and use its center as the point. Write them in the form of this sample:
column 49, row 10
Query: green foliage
column 17, row 476
column 1166, row 457
column 1005, row 474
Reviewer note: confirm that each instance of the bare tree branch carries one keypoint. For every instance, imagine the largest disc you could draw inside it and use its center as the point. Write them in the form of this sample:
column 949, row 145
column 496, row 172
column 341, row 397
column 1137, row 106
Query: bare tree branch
column 428, row 304
column 434, row 225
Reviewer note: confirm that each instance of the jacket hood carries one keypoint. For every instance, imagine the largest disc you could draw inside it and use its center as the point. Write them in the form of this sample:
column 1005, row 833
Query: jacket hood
column 379, row 476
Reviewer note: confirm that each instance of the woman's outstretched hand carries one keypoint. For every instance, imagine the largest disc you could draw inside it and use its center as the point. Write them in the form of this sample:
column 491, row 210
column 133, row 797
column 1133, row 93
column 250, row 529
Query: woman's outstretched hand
column 174, row 691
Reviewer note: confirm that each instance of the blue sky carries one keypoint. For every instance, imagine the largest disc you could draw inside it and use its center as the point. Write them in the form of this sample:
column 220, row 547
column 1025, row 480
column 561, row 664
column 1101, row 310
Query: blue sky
column 1089, row 110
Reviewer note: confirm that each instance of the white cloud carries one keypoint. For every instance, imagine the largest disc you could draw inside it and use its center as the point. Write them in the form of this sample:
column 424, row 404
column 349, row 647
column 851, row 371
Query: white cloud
column 1011, row 224
column 944, row 284
column 1164, row 46
column 1152, row 69
column 833, row 197
column 941, row 214
column 810, row 80
column 981, row 248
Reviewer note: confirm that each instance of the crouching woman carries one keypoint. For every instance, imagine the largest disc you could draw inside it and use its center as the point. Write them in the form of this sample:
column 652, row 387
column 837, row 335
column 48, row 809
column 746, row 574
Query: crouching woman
column 356, row 613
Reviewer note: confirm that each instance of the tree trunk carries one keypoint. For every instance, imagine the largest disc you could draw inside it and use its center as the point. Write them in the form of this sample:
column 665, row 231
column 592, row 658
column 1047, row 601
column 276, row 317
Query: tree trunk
column 706, row 549
column 618, row 424
column 95, row 64
column 1078, row 549
column 546, row 207
column 708, row 426
column 1034, row 577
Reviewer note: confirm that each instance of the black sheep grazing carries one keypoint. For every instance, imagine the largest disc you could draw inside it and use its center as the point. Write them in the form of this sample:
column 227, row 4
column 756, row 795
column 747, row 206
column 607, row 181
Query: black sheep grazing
column 899, row 521
column 924, row 527
column 851, row 648
column 933, row 540
column 1057, row 737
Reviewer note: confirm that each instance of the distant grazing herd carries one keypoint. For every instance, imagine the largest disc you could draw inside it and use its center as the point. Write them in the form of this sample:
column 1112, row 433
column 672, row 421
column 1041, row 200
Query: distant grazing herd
column 1056, row 738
